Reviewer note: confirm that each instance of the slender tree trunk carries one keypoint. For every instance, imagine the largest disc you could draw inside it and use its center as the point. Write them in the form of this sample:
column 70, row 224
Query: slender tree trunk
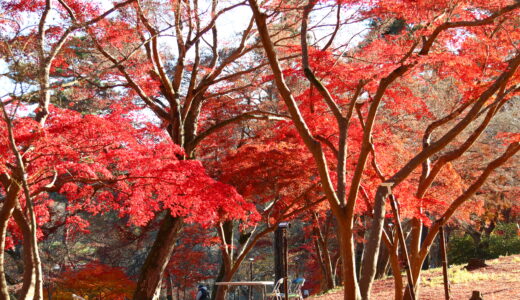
column 323, row 282
column 382, row 263
column 169, row 287
column 417, row 261
column 325, row 264
column 444, row 264
column 329, row 273
column 392, row 250
column 398, row 277
column 227, row 259
column 338, row 276
column 415, row 245
column 358, row 247
column 38, row 290
column 371, row 254
column 158, row 257
column 7, row 209
column 416, row 266
column 322, row 250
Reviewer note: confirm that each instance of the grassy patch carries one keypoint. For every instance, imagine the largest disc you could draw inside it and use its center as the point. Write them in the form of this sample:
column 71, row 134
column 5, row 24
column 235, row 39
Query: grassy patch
column 516, row 259
column 457, row 274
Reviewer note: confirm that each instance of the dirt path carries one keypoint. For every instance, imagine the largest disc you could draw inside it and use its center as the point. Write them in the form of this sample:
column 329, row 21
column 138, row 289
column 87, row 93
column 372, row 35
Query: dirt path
column 499, row 280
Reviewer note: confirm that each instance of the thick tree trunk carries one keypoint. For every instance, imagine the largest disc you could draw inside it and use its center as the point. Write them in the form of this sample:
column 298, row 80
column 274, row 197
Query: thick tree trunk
column 29, row 272
column 7, row 209
column 158, row 257
column 222, row 290
column 348, row 257
column 219, row 292
column 32, row 288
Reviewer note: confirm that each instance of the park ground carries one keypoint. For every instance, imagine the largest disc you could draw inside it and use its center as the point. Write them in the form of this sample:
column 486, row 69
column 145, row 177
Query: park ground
column 499, row 280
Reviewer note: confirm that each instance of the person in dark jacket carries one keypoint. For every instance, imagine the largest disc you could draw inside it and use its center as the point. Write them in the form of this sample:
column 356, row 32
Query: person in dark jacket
column 203, row 293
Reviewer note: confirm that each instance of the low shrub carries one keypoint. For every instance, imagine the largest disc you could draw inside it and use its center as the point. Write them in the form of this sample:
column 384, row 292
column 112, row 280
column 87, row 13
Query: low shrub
column 504, row 240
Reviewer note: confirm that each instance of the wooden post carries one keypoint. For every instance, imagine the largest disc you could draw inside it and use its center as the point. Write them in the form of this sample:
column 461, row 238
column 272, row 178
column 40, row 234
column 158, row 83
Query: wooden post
column 281, row 265
column 286, row 265
column 402, row 243
column 278, row 253
column 444, row 263
column 251, row 277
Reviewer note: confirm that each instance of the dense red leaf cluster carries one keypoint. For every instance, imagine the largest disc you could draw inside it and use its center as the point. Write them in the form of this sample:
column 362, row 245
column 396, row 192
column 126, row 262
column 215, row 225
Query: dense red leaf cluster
column 104, row 163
